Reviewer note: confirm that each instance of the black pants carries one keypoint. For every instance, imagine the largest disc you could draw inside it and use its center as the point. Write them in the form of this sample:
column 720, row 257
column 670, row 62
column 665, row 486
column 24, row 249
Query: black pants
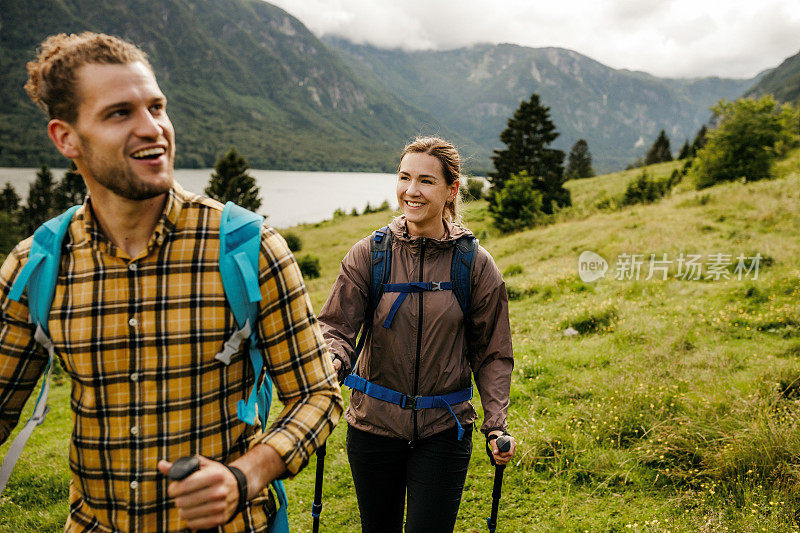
column 432, row 471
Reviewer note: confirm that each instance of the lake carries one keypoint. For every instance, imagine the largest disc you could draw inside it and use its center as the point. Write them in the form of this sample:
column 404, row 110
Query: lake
column 288, row 197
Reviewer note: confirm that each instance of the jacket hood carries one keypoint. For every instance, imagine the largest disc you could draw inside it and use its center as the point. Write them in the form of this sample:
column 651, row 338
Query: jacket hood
column 452, row 233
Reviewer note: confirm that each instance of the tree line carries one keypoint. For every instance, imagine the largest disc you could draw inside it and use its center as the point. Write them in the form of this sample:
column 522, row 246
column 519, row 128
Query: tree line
column 527, row 184
column 743, row 141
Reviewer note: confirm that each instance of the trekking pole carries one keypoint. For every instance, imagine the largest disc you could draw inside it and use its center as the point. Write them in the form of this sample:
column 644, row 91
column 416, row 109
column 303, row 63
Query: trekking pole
column 503, row 445
column 316, row 507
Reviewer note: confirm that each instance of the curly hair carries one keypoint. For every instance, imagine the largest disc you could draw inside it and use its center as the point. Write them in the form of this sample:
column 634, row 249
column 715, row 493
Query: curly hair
column 52, row 75
column 448, row 157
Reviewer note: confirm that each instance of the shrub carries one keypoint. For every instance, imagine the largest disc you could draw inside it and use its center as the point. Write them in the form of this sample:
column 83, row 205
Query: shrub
column 592, row 321
column 294, row 242
column 514, row 293
column 645, row 190
column 518, row 204
column 309, row 266
column 746, row 142
column 383, row 207
column 473, row 190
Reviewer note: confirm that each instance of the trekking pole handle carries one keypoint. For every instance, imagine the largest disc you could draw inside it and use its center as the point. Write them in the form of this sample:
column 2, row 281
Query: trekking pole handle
column 183, row 468
column 504, row 443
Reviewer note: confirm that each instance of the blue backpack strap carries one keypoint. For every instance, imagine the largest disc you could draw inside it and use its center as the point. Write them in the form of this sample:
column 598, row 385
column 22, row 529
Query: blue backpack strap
column 385, row 394
column 240, row 247
column 406, row 288
column 39, row 275
column 461, row 268
column 380, row 251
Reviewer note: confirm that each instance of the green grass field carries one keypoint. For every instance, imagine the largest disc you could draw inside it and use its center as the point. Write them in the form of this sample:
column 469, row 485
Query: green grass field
column 675, row 409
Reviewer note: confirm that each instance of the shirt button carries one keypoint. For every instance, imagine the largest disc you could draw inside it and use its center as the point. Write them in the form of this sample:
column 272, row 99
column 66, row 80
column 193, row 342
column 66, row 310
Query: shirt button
column 134, row 377
column 134, row 485
column 133, row 267
column 133, row 322
column 134, row 431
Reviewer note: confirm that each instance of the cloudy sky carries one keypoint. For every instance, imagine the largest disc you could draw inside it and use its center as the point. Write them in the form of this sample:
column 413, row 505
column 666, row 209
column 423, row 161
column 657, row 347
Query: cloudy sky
column 677, row 38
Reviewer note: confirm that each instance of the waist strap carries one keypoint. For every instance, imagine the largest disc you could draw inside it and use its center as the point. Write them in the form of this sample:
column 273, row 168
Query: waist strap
column 379, row 392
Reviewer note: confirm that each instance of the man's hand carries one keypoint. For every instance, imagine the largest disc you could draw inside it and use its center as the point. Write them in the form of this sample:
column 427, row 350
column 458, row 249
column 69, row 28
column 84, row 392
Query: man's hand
column 210, row 496
column 207, row 498
column 501, row 458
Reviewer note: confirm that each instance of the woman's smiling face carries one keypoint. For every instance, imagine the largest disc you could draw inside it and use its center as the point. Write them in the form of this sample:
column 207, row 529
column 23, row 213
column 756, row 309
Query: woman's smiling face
column 422, row 192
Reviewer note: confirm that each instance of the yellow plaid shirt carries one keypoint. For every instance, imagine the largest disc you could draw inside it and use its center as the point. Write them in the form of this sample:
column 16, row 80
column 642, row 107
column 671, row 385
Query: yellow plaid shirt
column 138, row 337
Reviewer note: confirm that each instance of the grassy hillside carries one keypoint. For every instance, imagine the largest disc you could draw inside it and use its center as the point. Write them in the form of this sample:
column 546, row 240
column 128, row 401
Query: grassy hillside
column 675, row 409
column 783, row 82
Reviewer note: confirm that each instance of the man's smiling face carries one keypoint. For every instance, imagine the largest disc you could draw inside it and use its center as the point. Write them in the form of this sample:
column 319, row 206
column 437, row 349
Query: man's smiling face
column 126, row 140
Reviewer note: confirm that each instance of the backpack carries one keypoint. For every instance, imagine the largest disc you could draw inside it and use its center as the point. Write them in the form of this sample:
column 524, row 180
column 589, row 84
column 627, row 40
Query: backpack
column 240, row 242
column 461, row 267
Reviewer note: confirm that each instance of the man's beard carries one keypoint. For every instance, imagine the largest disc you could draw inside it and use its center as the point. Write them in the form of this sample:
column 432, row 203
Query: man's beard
column 123, row 184
column 120, row 179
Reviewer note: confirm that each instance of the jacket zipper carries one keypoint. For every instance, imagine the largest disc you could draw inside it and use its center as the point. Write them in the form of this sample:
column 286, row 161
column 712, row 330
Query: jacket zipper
column 419, row 338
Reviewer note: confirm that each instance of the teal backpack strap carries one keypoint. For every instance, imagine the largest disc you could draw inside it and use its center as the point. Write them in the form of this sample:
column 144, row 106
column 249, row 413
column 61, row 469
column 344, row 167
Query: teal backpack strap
column 240, row 242
column 39, row 275
column 240, row 246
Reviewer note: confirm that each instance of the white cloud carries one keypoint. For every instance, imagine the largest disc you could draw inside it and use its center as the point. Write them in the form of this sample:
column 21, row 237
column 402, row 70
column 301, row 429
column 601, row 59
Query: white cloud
column 736, row 38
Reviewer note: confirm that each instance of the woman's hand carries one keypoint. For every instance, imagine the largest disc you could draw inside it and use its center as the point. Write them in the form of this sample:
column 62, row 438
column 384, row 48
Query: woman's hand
column 501, row 458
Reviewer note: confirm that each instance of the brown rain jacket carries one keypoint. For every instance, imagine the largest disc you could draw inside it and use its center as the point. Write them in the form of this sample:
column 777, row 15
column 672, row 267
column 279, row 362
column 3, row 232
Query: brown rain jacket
column 428, row 350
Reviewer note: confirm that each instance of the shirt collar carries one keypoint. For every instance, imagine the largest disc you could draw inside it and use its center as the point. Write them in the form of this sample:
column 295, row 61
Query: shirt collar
column 89, row 232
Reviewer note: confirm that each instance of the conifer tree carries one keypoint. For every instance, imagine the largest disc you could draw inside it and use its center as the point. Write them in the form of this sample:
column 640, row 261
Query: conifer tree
column 9, row 199
column 699, row 139
column 579, row 163
column 39, row 206
column 660, row 151
column 686, row 150
column 527, row 137
column 231, row 182
column 71, row 190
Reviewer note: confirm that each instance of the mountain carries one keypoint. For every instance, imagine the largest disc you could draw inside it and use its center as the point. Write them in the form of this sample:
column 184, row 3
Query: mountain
column 473, row 91
column 236, row 72
column 783, row 82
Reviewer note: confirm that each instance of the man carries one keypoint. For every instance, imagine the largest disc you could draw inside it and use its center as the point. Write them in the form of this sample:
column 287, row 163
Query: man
column 139, row 312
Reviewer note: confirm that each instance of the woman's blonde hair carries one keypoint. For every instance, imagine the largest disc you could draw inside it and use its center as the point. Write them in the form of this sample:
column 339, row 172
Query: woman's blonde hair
column 448, row 156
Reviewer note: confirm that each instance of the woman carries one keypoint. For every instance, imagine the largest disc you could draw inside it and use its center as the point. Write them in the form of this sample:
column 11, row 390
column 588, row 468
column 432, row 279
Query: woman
column 420, row 345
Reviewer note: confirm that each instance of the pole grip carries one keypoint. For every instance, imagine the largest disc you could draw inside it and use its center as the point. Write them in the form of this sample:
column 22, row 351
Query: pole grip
column 504, row 443
column 183, row 468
